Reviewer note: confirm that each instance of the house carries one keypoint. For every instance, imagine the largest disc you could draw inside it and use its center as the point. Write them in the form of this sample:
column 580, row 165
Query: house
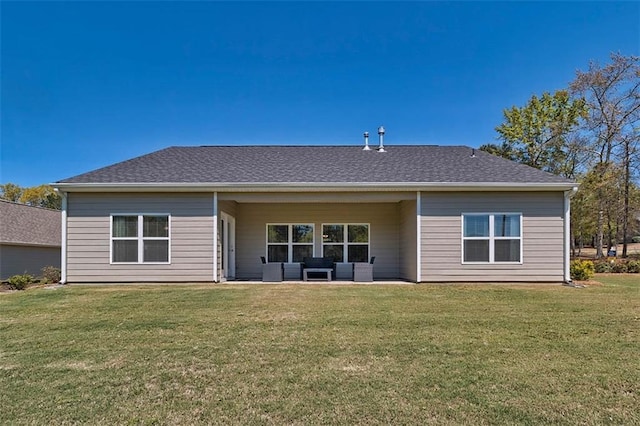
column 209, row 213
column 30, row 239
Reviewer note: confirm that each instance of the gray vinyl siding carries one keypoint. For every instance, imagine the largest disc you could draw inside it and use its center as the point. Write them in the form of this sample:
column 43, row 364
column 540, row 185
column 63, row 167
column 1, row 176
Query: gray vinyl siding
column 88, row 238
column 18, row 259
column 393, row 234
column 408, row 241
column 252, row 219
column 542, row 236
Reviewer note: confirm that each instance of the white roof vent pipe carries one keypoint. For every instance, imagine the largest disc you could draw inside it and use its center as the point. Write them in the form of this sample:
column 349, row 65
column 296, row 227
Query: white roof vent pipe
column 366, row 142
column 381, row 135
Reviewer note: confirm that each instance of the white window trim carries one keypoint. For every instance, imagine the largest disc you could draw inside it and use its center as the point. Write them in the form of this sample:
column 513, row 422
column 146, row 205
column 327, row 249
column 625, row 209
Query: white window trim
column 345, row 244
column 492, row 238
column 290, row 244
column 140, row 238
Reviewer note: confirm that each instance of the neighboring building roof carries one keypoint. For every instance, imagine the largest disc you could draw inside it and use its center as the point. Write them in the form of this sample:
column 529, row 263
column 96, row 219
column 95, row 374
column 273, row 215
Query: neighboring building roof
column 317, row 164
column 27, row 225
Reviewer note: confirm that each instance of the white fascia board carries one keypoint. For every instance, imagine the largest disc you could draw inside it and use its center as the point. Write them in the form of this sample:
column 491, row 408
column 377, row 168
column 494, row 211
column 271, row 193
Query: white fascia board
column 312, row 186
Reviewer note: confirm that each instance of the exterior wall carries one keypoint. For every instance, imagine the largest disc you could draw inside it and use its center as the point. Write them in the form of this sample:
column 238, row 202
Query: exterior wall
column 252, row 219
column 408, row 241
column 18, row 259
column 542, row 236
column 88, row 239
column 393, row 235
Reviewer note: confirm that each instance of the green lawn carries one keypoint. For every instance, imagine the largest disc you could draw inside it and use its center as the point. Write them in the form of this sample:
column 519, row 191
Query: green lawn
column 322, row 354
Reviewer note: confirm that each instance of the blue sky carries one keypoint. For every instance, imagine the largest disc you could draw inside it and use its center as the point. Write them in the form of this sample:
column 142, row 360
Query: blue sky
column 88, row 84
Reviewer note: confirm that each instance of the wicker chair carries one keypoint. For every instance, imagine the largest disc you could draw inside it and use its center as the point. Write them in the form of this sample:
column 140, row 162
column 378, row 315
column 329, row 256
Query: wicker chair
column 363, row 271
column 272, row 271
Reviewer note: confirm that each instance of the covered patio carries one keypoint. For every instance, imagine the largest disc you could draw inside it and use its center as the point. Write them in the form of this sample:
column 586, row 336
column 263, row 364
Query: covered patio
column 282, row 229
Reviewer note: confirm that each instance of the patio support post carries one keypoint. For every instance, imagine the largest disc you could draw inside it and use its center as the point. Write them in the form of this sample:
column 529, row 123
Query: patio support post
column 215, row 236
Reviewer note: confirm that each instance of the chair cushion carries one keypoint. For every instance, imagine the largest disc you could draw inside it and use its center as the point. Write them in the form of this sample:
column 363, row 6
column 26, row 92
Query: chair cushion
column 318, row 262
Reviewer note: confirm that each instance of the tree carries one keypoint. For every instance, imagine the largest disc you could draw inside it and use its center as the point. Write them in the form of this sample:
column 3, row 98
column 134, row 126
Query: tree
column 537, row 134
column 604, row 184
column 583, row 220
column 11, row 192
column 504, row 150
column 38, row 196
column 41, row 196
column 590, row 133
column 612, row 94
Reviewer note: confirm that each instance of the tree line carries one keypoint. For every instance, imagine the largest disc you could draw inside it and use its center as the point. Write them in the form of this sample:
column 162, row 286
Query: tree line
column 37, row 196
column 590, row 132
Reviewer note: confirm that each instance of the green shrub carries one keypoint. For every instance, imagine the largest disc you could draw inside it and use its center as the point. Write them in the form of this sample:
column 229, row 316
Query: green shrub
column 633, row 267
column 20, row 282
column 619, row 268
column 603, row 267
column 636, row 239
column 50, row 275
column 581, row 270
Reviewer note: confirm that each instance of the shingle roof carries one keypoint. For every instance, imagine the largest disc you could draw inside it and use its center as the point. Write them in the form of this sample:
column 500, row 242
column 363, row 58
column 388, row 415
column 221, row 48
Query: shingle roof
column 316, row 164
column 21, row 224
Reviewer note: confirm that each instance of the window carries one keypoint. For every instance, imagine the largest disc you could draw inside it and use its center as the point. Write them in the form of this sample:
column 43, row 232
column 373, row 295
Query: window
column 346, row 241
column 289, row 243
column 140, row 238
column 492, row 238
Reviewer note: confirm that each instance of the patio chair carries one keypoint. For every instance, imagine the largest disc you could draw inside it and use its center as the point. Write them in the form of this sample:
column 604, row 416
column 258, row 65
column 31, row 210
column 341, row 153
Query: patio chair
column 363, row 271
column 272, row 271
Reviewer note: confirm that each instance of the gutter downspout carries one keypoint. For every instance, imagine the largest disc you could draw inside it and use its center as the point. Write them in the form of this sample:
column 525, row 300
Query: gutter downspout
column 63, row 246
column 567, row 233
